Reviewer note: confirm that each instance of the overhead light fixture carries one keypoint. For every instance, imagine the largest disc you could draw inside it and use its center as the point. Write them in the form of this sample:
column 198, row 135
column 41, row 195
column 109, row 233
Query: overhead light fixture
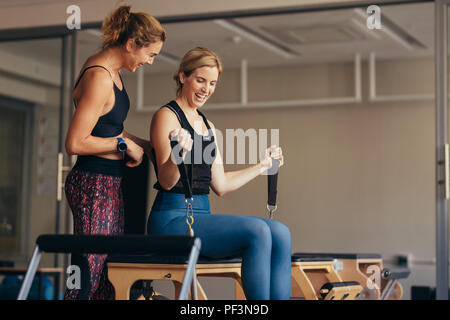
column 256, row 38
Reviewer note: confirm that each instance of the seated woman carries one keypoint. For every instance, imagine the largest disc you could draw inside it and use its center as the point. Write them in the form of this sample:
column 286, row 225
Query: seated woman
column 263, row 244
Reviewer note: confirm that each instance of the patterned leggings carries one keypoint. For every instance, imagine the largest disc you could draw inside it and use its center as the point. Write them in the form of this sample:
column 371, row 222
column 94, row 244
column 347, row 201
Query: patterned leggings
column 97, row 208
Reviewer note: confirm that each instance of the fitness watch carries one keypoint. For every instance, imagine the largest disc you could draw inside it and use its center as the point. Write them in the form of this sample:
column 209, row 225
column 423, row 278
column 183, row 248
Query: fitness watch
column 121, row 145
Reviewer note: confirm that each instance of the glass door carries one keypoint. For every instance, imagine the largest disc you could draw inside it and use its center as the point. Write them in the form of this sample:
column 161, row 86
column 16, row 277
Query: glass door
column 35, row 105
column 15, row 137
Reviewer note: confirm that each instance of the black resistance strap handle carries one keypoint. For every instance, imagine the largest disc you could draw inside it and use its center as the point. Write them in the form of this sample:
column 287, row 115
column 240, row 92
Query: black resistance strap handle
column 187, row 186
column 183, row 173
column 272, row 182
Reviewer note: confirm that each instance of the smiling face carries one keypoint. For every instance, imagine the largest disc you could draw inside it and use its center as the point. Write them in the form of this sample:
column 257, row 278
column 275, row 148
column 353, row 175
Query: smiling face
column 139, row 56
column 199, row 85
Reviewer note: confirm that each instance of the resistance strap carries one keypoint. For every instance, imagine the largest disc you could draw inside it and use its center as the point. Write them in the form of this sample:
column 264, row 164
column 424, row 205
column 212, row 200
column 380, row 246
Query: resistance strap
column 272, row 182
column 187, row 186
column 188, row 199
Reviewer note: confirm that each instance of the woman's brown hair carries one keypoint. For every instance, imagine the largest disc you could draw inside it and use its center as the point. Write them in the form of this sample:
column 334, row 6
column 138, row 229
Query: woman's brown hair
column 122, row 24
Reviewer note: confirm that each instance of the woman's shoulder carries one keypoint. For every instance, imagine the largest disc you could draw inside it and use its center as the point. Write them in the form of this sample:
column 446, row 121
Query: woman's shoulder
column 96, row 64
column 166, row 109
column 165, row 114
column 93, row 71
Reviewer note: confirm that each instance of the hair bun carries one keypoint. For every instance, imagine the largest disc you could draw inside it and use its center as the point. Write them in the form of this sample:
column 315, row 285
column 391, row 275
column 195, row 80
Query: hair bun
column 126, row 13
column 122, row 24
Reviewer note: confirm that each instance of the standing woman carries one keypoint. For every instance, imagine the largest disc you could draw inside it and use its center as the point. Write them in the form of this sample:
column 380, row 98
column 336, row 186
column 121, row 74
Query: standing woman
column 263, row 244
column 96, row 134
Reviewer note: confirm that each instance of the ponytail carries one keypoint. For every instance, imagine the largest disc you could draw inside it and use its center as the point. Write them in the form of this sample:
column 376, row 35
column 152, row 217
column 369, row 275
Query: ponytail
column 122, row 24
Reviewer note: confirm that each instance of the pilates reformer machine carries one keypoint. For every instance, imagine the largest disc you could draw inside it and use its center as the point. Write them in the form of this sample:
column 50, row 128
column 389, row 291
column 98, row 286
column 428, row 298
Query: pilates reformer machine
column 315, row 276
column 366, row 270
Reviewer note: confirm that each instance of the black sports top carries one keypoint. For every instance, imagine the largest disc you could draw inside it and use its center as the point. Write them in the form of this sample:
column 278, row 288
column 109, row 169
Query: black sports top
column 202, row 161
column 108, row 125
column 111, row 124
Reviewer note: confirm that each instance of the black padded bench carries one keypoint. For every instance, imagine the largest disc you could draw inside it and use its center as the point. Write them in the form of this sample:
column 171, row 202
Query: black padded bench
column 183, row 246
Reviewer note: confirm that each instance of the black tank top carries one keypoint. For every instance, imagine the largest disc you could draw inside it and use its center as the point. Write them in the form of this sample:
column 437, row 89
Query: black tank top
column 108, row 125
column 197, row 163
column 111, row 124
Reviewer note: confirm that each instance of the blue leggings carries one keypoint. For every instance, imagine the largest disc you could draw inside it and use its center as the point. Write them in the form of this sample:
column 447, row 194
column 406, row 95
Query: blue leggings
column 263, row 244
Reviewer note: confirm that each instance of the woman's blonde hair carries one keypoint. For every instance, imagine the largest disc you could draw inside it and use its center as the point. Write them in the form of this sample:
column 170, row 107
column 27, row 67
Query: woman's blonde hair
column 194, row 59
column 122, row 24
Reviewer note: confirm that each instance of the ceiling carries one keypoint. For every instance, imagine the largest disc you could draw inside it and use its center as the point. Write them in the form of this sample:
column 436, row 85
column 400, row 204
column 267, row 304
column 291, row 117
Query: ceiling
column 276, row 40
column 9, row 3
